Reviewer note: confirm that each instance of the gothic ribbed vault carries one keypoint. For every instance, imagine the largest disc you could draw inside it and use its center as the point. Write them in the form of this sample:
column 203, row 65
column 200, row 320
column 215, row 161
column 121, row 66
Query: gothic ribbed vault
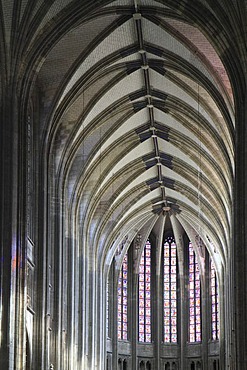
column 139, row 121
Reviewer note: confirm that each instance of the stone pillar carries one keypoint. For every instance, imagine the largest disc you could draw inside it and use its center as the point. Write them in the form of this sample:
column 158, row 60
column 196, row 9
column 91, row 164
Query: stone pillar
column 206, row 311
column 239, row 256
column 113, row 314
column 13, row 244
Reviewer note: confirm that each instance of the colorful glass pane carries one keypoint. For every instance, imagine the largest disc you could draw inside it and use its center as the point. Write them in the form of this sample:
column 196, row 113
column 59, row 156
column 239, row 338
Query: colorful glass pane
column 214, row 302
column 107, row 309
column 145, row 295
column 123, row 300
column 194, row 297
column 170, row 291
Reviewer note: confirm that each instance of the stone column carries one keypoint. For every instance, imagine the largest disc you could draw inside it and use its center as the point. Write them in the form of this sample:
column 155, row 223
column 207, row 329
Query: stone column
column 113, row 313
column 13, row 244
column 239, row 255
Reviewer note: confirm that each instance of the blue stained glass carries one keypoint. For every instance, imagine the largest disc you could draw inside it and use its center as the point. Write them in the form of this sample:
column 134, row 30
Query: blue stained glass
column 173, row 312
column 141, row 337
column 166, row 295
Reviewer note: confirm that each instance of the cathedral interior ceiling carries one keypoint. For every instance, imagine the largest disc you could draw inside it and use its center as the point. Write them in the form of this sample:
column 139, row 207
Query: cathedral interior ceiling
column 138, row 112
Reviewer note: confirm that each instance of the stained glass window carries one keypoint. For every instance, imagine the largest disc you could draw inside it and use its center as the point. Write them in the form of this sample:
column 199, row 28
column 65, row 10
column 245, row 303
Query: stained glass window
column 170, row 291
column 214, row 302
column 107, row 307
column 123, row 300
column 194, row 298
column 144, row 298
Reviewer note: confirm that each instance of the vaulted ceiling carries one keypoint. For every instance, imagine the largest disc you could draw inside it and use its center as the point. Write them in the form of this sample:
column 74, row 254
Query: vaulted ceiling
column 138, row 112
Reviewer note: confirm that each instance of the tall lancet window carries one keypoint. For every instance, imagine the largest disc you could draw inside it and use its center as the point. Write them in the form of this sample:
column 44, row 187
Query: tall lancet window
column 123, row 300
column 107, row 308
column 214, row 302
column 144, row 297
column 194, row 298
column 170, row 291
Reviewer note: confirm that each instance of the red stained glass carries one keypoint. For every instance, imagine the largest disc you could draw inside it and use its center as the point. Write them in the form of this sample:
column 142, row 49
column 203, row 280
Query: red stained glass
column 174, row 338
column 173, row 269
column 167, row 312
column 141, row 294
column 173, row 312
column 167, row 329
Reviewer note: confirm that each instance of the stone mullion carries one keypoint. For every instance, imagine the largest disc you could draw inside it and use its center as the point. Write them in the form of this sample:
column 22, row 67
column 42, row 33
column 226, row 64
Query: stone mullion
column 183, row 317
column 157, row 307
column 134, row 320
